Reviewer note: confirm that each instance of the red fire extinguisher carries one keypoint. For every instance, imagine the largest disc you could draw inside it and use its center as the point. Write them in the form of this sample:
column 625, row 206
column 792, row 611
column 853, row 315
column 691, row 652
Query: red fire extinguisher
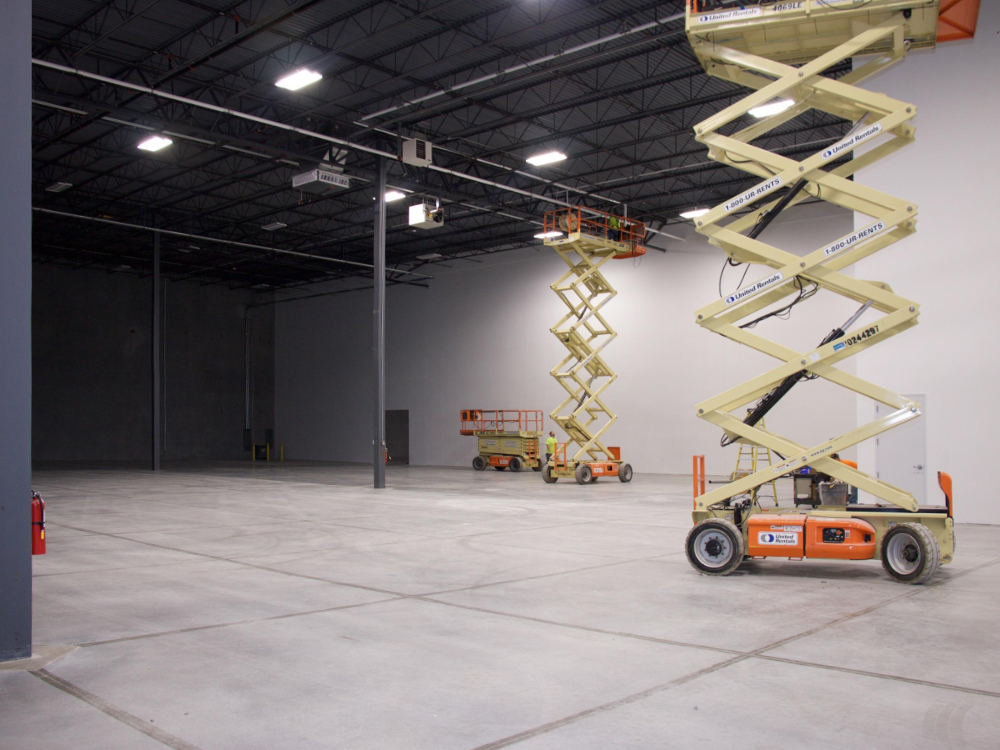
column 37, row 524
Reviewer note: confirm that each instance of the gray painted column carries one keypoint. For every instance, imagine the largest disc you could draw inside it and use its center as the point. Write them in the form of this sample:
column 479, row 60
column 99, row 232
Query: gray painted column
column 15, row 332
column 157, row 448
column 378, row 343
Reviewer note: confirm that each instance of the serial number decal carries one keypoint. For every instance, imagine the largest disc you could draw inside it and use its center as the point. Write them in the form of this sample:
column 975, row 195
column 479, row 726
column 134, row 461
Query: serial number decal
column 856, row 338
column 730, row 15
column 851, row 141
column 753, row 194
column 786, row 528
column 852, row 239
column 787, row 6
column 777, row 537
column 747, row 291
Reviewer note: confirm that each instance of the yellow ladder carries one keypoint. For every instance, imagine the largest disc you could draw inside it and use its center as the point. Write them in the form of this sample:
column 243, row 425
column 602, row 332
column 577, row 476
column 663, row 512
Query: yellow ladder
column 750, row 457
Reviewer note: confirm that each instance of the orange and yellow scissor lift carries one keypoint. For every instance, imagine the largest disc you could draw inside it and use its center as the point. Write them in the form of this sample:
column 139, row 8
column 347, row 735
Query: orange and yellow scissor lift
column 586, row 239
column 507, row 438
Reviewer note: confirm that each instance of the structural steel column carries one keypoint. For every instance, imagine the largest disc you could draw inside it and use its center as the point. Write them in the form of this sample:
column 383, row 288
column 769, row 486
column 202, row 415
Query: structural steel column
column 15, row 332
column 157, row 364
column 378, row 343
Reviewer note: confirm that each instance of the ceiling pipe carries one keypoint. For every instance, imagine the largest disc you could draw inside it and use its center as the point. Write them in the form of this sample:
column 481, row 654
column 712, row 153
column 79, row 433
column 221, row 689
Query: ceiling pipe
column 203, row 238
column 530, row 64
column 313, row 134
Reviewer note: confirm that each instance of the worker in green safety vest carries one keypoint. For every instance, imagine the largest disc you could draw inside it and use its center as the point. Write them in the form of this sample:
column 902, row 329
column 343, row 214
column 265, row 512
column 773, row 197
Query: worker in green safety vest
column 614, row 228
column 550, row 446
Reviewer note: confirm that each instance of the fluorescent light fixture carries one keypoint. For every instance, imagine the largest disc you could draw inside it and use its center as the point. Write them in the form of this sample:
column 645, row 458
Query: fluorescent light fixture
column 273, row 225
column 58, row 187
column 298, row 79
column 694, row 213
column 429, row 256
column 548, row 235
column 549, row 157
column 771, row 108
column 155, row 143
column 394, row 195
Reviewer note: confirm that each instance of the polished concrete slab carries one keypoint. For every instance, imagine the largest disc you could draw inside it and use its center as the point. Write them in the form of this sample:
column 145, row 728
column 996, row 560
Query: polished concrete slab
column 268, row 606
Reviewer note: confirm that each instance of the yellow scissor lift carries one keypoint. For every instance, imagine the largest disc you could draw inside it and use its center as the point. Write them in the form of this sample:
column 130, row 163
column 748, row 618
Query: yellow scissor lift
column 781, row 50
column 586, row 239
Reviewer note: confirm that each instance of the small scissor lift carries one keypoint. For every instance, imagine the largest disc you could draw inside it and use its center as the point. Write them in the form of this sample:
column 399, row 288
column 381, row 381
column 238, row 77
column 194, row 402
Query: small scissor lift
column 586, row 239
column 508, row 438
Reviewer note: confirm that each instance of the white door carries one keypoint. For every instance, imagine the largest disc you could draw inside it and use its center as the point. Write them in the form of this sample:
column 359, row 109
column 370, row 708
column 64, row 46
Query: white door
column 901, row 453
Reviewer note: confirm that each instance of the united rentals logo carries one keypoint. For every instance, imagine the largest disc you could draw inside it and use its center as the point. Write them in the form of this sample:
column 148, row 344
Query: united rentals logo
column 730, row 15
column 851, row 141
column 754, row 288
column 752, row 194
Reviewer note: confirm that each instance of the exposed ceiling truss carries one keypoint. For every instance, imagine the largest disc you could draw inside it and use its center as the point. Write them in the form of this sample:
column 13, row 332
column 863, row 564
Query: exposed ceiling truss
column 611, row 83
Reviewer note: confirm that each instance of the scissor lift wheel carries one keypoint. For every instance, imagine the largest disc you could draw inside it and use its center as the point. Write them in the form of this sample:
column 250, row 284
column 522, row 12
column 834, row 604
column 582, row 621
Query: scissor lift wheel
column 515, row 464
column 715, row 547
column 584, row 474
column 625, row 473
column 547, row 475
column 479, row 463
column 910, row 553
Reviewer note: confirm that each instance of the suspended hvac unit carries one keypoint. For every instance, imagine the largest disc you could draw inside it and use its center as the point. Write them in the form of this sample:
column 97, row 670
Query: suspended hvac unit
column 417, row 152
column 320, row 180
column 427, row 215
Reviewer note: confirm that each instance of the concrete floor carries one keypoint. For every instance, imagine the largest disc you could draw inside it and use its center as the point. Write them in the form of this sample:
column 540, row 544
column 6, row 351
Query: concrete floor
column 230, row 606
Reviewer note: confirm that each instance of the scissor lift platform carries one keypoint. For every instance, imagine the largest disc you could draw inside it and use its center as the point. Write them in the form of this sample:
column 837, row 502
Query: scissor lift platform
column 507, row 438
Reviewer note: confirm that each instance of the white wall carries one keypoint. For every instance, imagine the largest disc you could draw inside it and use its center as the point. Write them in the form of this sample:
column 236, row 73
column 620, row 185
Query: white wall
column 479, row 337
column 951, row 266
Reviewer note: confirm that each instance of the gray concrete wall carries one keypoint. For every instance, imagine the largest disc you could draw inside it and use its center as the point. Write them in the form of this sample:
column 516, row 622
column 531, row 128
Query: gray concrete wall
column 91, row 354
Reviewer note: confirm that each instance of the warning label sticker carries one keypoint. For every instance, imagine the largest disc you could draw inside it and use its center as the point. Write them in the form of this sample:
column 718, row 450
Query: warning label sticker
column 777, row 538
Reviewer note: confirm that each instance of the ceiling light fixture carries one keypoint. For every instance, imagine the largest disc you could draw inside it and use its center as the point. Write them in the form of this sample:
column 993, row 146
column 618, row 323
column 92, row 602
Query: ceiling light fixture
column 58, row 187
column 549, row 157
column 429, row 256
column 394, row 195
column 298, row 79
column 771, row 108
column 694, row 213
column 154, row 143
column 273, row 226
column 548, row 235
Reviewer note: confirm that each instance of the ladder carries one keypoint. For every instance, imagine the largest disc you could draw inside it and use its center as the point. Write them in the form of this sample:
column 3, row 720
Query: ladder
column 750, row 457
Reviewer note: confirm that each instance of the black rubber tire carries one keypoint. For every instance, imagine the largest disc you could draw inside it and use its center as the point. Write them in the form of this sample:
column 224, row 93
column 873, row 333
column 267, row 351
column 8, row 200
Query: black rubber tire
column 479, row 463
column 584, row 474
column 713, row 528
column 515, row 464
column 500, row 468
column 547, row 476
column 625, row 473
column 906, row 545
